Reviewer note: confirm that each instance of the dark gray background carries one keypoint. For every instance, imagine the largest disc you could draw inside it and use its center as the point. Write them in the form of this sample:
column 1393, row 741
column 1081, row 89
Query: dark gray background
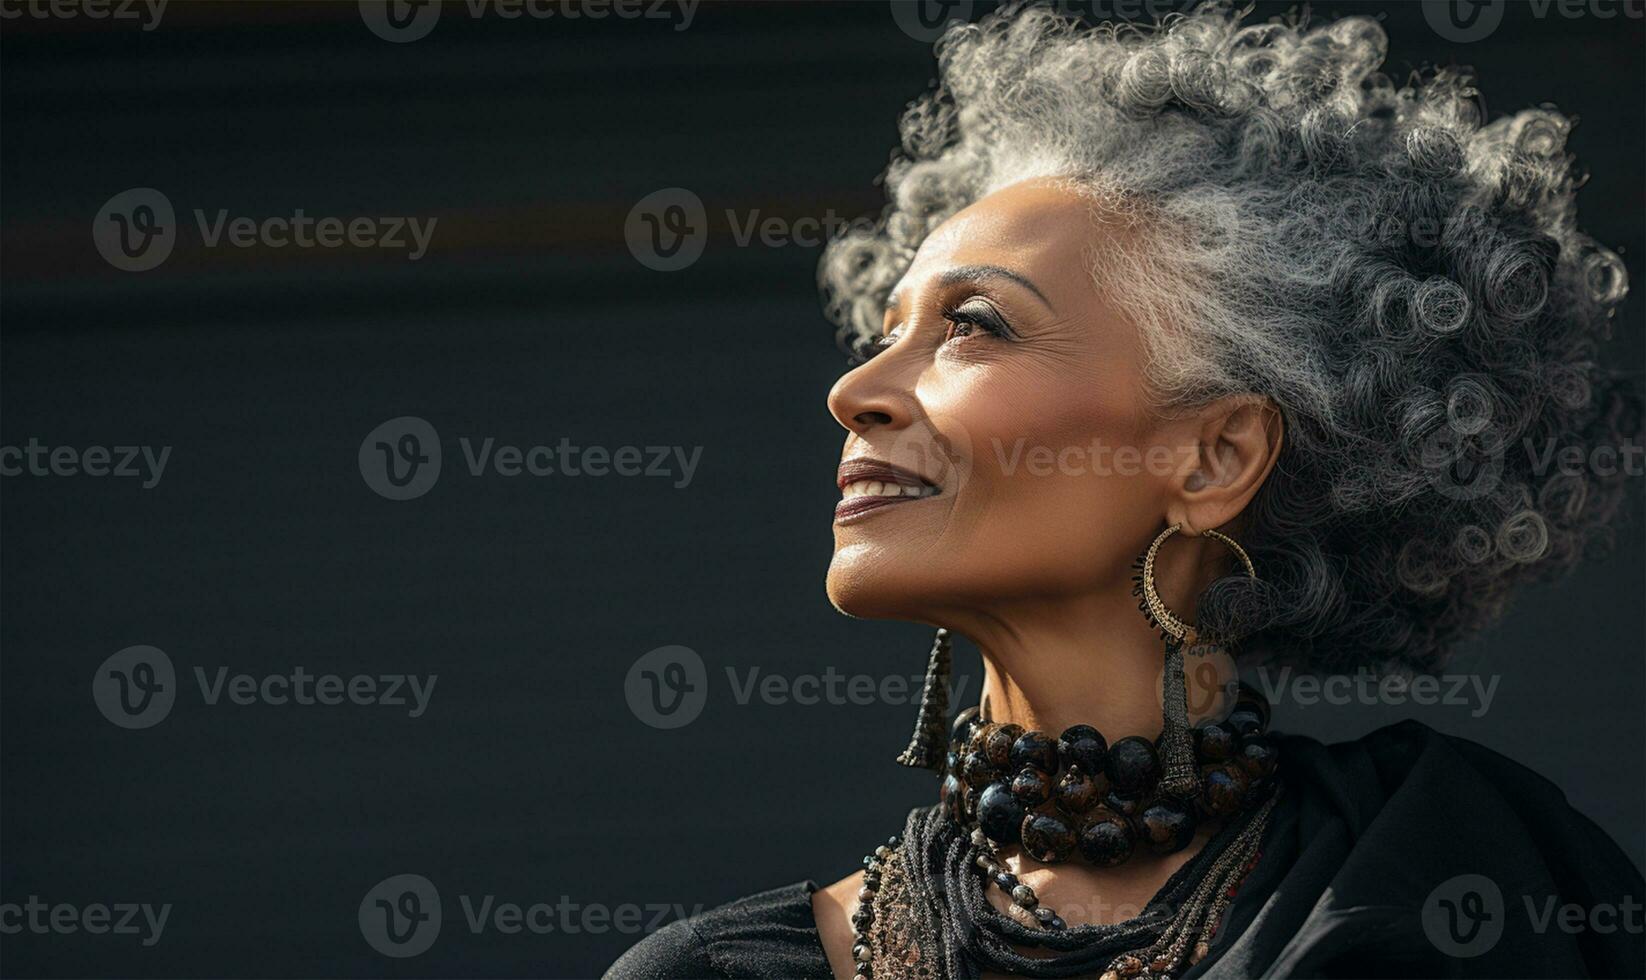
column 262, row 548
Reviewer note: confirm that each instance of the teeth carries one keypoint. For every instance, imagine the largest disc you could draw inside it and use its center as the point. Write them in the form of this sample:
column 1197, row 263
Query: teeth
column 878, row 488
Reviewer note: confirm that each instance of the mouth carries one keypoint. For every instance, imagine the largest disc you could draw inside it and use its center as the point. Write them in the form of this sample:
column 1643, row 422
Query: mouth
column 868, row 485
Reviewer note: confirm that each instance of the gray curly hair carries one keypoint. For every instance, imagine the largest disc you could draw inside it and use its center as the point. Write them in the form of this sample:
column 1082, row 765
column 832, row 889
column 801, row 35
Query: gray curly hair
column 1405, row 283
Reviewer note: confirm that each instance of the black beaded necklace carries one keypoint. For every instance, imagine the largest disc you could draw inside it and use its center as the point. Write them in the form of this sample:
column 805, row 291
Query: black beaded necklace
column 1077, row 794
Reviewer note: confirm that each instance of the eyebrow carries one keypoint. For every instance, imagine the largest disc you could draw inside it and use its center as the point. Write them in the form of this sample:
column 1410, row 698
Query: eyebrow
column 979, row 274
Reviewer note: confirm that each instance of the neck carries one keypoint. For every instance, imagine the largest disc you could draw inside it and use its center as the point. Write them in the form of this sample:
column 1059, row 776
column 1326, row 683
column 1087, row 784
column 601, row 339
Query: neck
column 1091, row 659
column 1098, row 664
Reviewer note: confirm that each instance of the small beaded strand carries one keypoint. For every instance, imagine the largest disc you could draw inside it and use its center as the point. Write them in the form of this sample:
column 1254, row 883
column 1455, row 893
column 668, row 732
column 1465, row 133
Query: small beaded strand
column 1025, row 904
column 863, row 919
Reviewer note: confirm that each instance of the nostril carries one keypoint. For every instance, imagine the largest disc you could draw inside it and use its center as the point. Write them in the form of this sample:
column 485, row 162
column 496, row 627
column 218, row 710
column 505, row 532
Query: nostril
column 872, row 418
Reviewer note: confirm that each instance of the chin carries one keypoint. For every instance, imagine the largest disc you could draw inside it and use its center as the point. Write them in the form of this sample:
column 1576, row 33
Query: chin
column 870, row 582
column 861, row 586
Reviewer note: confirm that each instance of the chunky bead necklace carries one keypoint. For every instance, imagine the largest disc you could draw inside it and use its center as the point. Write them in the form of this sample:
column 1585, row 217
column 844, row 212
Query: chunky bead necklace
column 1077, row 794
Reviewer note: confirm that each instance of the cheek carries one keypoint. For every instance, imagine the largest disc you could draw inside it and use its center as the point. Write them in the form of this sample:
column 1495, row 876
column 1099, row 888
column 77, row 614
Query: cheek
column 1045, row 503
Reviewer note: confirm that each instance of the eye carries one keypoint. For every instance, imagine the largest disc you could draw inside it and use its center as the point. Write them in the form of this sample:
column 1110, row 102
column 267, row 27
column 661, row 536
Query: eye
column 973, row 316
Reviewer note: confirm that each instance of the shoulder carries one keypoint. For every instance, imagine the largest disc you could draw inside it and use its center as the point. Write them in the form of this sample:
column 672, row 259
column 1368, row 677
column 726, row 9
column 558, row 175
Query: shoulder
column 1410, row 852
column 770, row 934
column 1384, row 762
column 1411, row 776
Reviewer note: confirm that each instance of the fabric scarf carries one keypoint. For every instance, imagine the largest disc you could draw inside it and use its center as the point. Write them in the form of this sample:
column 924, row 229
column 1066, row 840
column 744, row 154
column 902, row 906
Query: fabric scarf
column 946, row 891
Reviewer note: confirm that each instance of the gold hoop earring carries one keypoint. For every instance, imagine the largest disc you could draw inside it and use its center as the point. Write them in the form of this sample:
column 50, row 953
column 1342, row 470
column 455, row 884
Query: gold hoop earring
column 1155, row 607
column 1179, row 776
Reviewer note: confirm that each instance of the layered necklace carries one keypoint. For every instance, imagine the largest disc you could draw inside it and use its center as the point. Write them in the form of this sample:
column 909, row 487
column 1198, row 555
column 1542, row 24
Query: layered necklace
column 923, row 912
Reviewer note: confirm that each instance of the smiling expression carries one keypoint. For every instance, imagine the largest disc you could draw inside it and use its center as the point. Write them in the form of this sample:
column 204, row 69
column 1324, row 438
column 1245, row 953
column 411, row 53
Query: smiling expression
column 999, row 351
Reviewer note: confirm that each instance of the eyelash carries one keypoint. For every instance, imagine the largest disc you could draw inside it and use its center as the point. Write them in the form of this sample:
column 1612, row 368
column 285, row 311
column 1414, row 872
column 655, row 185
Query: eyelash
column 989, row 322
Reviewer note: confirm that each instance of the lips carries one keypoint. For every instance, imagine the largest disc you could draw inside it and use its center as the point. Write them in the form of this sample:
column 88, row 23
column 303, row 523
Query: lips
column 869, row 484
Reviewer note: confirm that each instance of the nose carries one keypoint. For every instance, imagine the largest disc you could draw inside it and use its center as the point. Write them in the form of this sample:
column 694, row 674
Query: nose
column 878, row 394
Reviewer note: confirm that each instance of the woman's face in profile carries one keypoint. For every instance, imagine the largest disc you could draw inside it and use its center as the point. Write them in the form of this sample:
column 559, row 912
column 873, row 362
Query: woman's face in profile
column 999, row 441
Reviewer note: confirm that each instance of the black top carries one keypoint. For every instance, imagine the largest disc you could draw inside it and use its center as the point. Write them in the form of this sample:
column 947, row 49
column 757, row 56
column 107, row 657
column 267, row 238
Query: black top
column 1405, row 853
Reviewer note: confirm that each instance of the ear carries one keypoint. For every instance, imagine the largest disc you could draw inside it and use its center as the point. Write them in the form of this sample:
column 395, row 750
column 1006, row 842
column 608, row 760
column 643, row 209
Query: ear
column 1239, row 439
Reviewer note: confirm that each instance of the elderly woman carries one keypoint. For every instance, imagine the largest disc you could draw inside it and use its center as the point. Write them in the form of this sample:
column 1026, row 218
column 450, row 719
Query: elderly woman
column 1181, row 348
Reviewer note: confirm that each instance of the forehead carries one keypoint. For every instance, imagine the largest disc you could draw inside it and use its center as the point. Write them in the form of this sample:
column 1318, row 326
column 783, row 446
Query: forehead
column 1037, row 228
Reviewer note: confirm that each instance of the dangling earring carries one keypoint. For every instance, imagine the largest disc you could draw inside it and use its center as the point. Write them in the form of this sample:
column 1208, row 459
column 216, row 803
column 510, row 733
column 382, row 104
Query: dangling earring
column 928, row 748
column 1179, row 776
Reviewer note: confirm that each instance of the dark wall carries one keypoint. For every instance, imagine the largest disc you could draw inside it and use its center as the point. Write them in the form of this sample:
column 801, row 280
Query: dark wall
column 262, row 548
